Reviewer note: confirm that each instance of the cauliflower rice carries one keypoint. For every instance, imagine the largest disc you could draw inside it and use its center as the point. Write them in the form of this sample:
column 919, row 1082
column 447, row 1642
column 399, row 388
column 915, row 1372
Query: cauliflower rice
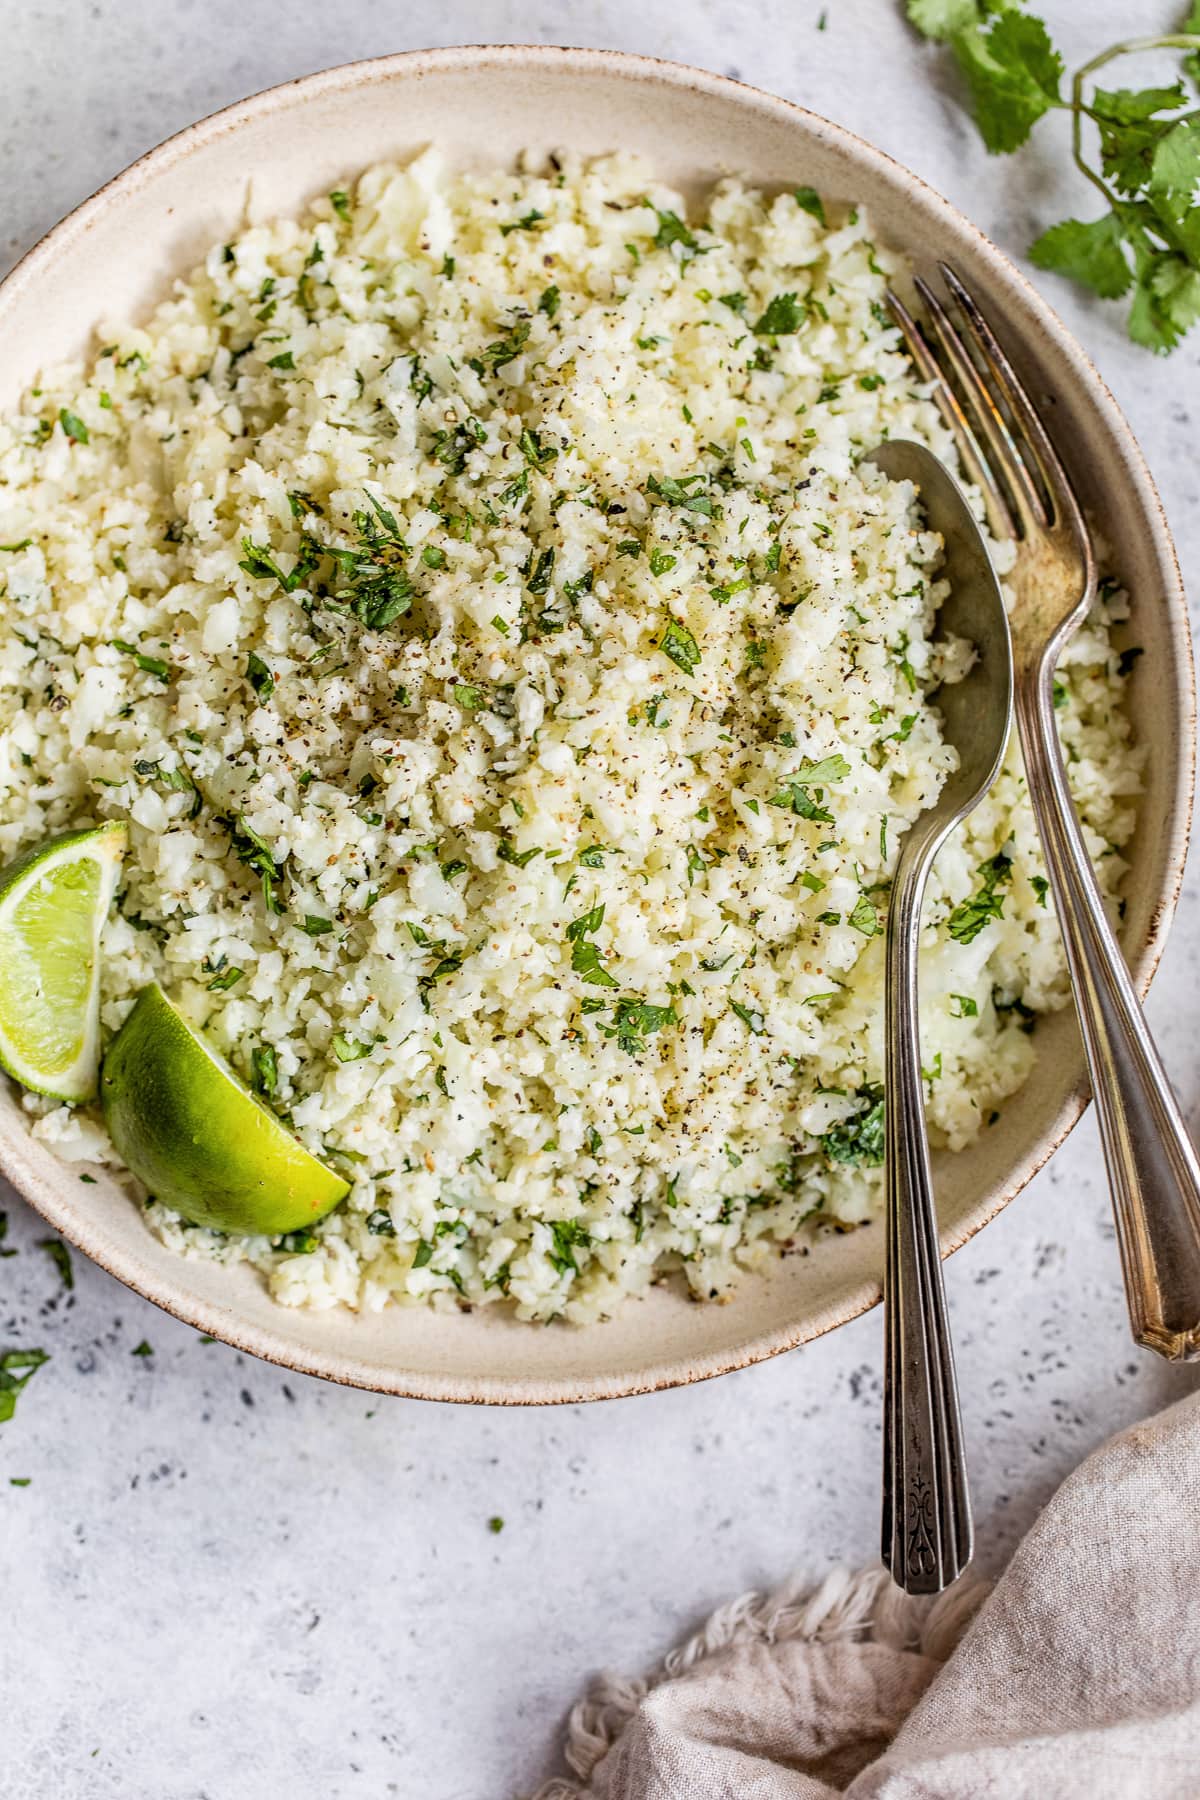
column 516, row 687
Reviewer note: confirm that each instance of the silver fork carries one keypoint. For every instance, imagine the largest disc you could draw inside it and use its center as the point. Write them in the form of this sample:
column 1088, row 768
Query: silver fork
column 1153, row 1170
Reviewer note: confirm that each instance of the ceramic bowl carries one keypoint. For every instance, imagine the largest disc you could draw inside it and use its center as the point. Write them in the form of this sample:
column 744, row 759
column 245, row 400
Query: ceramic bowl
column 116, row 255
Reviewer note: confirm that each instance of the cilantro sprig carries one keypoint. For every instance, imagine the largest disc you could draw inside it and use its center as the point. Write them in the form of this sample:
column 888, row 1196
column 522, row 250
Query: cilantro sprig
column 1146, row 244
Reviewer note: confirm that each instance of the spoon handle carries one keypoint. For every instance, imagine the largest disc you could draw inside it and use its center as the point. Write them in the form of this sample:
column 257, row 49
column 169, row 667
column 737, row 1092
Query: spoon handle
column 1152, row 1166
column 927, row 1531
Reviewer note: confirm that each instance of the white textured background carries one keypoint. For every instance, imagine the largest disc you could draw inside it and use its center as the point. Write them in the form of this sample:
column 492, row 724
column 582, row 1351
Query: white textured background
column 223, row 1583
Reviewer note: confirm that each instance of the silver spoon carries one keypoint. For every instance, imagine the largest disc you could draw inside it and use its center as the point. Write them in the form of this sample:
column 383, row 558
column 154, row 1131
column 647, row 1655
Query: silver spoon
column 927, row 1531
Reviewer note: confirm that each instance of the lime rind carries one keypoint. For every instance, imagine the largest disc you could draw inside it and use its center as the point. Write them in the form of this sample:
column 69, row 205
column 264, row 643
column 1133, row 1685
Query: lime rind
column 196, row 1136
column 54, row 900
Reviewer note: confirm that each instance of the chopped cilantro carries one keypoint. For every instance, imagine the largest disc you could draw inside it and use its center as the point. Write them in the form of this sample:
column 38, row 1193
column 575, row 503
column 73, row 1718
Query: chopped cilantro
column 968, row 920
column 672, row 230
column 858, row 1140
column 585, row 956
column 259, row 676
column 636, row 1020
column 750, row 1017
column 796, row 793
column 224, row 979
column 536, row 454
column 507, row 349
column 568, row 1236
column 60, row 1256
column 681, row 492
column 809, row 201
column 526, row 222
column 519, row 859
column 12, row 1384
column 151, row 665
column 678, row 643
column 864, row 918
column 264, row 1071
column 782, row 317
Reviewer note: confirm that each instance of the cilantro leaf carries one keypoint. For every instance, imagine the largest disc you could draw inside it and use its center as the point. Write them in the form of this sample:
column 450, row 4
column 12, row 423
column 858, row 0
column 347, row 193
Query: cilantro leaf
column 259, row 676
column 678, row 643
column 11, row 1384
column 636, row 1020
column 569, row 1235
column 1166, row 301
column 681, row 492
column 750, row 1016
column 1176, row 162
column 585, row 957
column 783, row 316
column 1128, row 106
column 864, row 918
column 858, row 1140
column 809, row 201
column 526, row 222
column 941, row 19
column 795, row 795
column 1089, row 251
column 672, row 230
column 1013, row 73
column 968, row 919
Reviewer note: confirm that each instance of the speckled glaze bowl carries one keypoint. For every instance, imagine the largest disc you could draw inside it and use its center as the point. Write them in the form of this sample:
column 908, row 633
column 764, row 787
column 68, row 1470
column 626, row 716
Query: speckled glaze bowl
column 116, row 255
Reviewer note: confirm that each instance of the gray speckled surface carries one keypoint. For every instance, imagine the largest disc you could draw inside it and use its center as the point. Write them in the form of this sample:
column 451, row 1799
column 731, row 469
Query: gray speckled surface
column 223, row 1581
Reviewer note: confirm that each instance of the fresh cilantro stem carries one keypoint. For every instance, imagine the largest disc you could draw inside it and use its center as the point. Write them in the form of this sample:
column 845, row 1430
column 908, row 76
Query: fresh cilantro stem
column 1147, row 244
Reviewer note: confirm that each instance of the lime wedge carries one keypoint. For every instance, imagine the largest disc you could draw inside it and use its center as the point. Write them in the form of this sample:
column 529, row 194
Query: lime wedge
column 198, row 1138
column 53, row 903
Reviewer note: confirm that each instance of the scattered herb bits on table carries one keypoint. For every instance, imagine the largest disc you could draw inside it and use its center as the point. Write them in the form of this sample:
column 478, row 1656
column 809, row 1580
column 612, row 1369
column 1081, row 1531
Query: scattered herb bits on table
column 516, row 690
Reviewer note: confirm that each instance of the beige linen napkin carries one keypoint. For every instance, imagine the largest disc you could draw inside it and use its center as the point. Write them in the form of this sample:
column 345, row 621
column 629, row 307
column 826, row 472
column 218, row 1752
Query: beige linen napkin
column 1077, row 1679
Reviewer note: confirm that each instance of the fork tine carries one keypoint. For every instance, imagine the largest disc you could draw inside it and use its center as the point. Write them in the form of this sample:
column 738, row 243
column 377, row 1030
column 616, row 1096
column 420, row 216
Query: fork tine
column 1057, row 481
column 947, row 402
column 993, row 427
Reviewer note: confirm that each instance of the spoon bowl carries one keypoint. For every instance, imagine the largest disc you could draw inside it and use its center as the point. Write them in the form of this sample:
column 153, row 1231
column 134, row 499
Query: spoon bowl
column 977, row 711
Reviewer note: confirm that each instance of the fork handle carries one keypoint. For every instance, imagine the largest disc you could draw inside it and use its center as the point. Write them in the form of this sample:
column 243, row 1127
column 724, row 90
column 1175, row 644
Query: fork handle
column 927, row 1533
column 1153, row 1172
